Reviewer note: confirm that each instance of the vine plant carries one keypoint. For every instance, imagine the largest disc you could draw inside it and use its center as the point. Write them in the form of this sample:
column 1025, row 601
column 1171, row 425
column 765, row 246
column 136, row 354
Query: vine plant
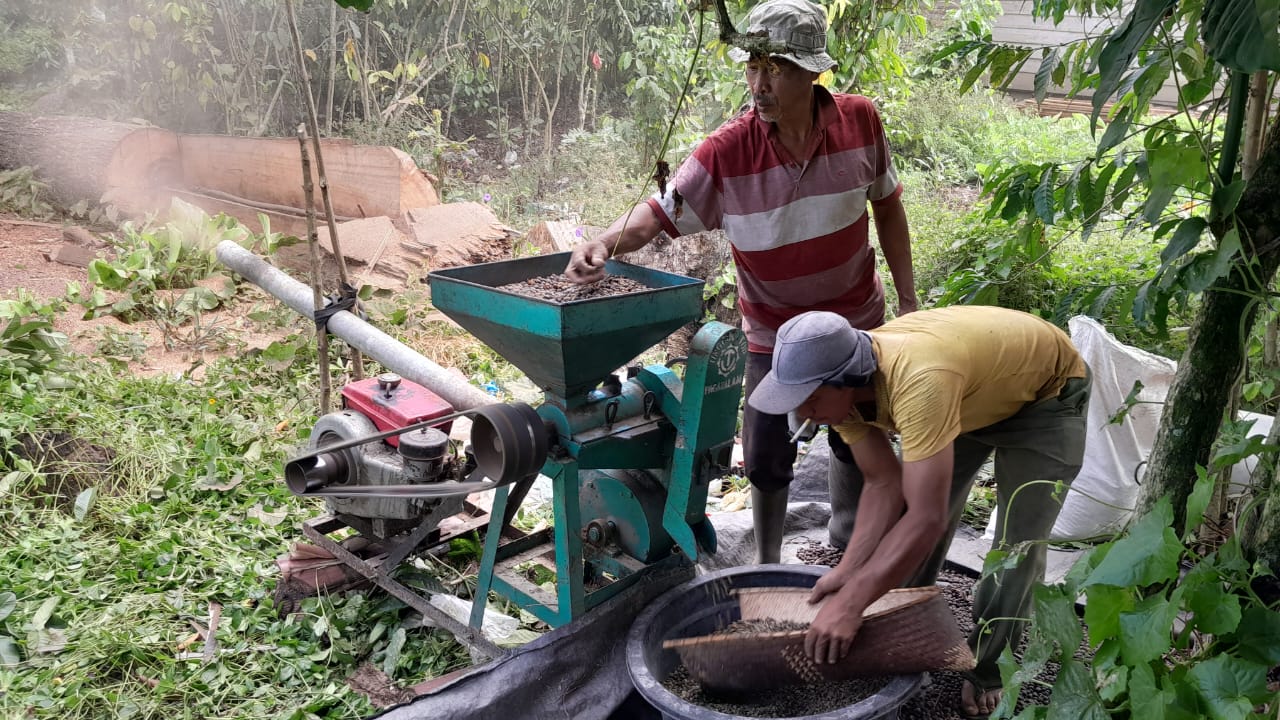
column 1178, row 632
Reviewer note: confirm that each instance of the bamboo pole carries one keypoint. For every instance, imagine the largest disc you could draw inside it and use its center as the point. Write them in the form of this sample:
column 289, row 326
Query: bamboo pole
column 313, row 127
column 313, row 244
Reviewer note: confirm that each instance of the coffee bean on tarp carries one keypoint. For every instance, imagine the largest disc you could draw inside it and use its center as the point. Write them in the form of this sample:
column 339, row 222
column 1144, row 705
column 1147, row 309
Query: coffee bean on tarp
column 560, row 289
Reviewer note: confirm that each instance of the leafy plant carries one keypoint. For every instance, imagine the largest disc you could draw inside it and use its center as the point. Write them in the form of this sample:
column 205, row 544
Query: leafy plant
column 1177, row 632
column 29, row 346
column 8, row 648
column 22, row 193
column 169, row 274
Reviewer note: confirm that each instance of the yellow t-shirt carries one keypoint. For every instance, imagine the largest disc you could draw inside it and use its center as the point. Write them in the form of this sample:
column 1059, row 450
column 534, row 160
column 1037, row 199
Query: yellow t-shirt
column 951, row 370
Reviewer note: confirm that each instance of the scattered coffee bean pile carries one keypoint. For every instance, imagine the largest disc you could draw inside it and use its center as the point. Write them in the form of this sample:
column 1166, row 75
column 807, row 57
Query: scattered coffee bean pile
column 940, row 699
column 796, row 701
column 760, row 625
column 560, row 289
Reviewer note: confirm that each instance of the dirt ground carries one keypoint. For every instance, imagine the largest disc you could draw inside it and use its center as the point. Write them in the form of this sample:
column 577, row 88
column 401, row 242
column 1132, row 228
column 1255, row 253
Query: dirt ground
column 27, row 249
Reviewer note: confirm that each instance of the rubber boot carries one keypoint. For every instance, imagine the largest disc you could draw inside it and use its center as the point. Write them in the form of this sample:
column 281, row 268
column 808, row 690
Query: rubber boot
column 768, row 516
column 844, row 483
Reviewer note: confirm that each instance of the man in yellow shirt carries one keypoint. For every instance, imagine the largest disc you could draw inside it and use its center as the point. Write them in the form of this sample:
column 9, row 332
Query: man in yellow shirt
column 955, row 384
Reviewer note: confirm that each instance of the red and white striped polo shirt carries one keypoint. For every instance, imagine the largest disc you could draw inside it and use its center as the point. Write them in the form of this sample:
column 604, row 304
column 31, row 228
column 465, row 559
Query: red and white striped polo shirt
column 798, row 229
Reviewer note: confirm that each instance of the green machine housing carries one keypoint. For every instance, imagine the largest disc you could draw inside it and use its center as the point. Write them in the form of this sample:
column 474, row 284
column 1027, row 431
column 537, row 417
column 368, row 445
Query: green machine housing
column 630, row 459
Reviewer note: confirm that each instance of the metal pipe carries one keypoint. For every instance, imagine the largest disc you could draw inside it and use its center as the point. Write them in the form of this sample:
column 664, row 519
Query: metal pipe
column 393, row 354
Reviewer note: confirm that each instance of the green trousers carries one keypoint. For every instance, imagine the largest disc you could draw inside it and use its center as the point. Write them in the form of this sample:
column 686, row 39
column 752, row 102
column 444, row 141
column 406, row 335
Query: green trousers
column 1041, row 445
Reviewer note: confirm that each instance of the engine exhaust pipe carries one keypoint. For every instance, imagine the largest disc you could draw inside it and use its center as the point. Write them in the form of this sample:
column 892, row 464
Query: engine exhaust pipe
column 313, row 472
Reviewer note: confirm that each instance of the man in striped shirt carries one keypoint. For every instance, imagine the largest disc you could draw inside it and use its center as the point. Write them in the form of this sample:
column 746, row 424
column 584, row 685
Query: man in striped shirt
column 789, row 181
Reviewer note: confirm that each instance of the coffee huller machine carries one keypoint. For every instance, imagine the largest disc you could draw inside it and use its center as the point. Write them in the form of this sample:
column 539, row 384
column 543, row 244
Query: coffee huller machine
column 629, row 459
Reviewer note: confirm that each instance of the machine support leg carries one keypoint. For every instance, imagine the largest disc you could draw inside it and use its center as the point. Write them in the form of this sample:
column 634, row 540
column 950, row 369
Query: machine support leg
column 570, row 591
column 489, row 560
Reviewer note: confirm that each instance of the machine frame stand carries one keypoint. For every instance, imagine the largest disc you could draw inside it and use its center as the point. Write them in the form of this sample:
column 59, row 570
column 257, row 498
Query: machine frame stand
column 376, row 569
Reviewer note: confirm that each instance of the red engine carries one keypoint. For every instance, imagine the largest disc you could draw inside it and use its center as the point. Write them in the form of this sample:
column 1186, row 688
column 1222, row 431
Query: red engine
column 393, row 402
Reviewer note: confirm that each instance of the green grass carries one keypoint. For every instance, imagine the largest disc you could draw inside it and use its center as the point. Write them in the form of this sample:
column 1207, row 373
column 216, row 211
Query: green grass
column 947, row 136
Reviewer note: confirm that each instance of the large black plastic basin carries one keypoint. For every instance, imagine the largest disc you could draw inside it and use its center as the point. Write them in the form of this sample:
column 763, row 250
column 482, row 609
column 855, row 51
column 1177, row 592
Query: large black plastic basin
column 705, row 604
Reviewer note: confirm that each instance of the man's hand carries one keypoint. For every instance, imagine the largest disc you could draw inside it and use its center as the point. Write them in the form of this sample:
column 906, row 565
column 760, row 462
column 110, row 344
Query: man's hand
column 828, row 584
column 831, row 635
column 586, row 264
column 907, row 304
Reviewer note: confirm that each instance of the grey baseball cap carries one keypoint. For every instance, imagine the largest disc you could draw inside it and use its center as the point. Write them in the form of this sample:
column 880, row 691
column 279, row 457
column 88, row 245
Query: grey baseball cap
column 811, row 349
column 799, row 24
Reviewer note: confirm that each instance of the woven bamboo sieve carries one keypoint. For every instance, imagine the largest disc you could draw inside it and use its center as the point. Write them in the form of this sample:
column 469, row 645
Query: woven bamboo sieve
column 908, row 630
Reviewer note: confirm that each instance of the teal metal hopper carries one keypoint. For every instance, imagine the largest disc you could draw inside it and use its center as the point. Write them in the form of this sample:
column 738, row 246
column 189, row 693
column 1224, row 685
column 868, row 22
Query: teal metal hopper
column 567, row 349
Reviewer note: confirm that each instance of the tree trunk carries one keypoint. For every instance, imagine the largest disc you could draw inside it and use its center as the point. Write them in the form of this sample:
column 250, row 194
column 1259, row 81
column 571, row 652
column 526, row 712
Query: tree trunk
column 82, row 158
column 1216, row 345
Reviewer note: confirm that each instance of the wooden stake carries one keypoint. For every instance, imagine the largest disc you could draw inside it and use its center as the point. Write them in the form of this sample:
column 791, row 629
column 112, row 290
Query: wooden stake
column 313, row 126
column 313, row 243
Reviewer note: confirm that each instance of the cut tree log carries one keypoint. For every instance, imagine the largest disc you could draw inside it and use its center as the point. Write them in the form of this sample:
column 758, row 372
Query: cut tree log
column 456, row 234
column 366, row 180
column 553, row 236
column 86, row 158
column 140, row 169
column 365, row 243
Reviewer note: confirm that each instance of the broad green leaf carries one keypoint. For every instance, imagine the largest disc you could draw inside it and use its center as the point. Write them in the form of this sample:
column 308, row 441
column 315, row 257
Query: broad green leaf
column 9, row 651
column 394, row 646
column 84, row 503
column 1042, row 196
column 980, row 66
column 1186, row 237
column 1055, row 614
column 1226, row 198
column 1110, row 675
column 1230, row 686
column 1258, row 636
column 1146, row 632
column 1147, row 554
column 1123, row 186
column 1074, row 695
column 41, row 618
column 1198, row 501
column 1171, row 166
column 1084, row 566
column 1230, row 557
column 1010, row 680
column 1215, row 610
column 1207, row 268
column 1122, row 46
column 1147, row 699
column 279, row 355
column 1044, row 76
column 1102, row 610
column 105, row 274
column 8, row 601
column 1241, row 34
column 1117, row 130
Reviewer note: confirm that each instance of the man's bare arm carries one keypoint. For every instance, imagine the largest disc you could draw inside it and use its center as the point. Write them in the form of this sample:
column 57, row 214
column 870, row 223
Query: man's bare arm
column 880, row 504
column 926, row 489
column 631, row 231
column 895, row 242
